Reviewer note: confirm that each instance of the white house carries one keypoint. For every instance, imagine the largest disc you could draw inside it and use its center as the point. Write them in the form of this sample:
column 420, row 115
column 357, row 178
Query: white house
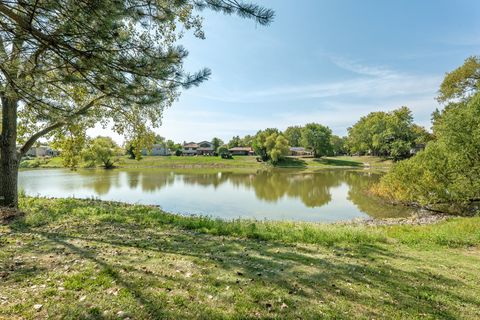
column 157, row 150
column 201, row 148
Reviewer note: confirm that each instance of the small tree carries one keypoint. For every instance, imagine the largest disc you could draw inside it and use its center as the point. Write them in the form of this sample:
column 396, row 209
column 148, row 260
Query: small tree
column 279, row 149
column 102, row 150
column 222, row 149
column 217, row 142
column 270, row 145
column 317, row 138
column 259, row 143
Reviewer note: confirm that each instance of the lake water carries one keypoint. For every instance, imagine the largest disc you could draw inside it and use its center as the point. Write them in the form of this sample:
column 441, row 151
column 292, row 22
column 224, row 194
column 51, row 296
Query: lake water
column 326, row 196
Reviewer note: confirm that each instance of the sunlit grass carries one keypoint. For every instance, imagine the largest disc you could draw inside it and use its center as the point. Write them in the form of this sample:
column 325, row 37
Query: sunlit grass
column 87, row 259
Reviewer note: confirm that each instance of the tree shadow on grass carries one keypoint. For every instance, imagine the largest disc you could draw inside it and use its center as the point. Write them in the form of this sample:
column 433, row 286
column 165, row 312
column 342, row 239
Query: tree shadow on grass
column 291, row 162
column 338, row 162
column 259, row 273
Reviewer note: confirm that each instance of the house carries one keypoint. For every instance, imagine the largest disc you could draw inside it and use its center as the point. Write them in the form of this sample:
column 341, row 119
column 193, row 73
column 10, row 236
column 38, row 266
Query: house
column 201, row 148
column 241, row 151
column 41, row 151
column 157, row 150
column 205, row 148
column 190, row 149
column 300, row 152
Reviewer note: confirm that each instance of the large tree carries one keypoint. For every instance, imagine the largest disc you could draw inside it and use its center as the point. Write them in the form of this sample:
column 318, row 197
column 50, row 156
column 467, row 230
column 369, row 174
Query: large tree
column 294, row 135
column 388, row 134
column 68, row 65
column 316, row 137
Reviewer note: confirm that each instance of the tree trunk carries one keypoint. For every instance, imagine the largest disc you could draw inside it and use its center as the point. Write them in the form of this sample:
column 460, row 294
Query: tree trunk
column 9, row 158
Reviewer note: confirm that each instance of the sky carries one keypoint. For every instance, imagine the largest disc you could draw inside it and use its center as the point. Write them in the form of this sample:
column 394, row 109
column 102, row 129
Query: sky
column 325, row 61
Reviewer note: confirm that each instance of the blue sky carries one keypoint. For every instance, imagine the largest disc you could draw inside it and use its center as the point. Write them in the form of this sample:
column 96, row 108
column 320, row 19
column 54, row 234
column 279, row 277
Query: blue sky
column 326, row 61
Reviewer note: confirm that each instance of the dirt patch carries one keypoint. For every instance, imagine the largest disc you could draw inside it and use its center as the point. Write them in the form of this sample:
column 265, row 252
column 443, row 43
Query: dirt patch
column 9, row 214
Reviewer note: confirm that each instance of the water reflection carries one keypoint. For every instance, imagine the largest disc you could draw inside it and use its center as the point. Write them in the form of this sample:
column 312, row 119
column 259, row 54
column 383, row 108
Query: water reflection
column 341, row 193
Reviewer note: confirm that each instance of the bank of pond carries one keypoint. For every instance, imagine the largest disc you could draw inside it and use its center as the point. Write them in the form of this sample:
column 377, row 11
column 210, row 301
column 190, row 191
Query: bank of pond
column 326, row 195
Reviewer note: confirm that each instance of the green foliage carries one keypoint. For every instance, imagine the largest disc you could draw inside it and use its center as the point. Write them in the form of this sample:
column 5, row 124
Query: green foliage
column 102, row 150
column 259, row 142
column 247, row 141
column 234, row 142
column 223, row 149
column 339, row 145
column 387, row 134
column 316, row 137
column 172, row 146
column 217, row 142
column 270, row 144
column 293, row 135
column 462, row 83
column 448, row 170
column 422, row 136
column 278, row 147
column 70, row 142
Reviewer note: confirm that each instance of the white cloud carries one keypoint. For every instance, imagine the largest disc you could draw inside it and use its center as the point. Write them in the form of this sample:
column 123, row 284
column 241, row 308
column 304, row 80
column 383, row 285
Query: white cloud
column 366, row 82
column 338, row 104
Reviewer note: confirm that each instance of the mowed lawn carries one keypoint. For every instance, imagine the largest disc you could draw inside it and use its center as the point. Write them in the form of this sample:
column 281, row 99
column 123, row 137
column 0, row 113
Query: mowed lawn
column 85, row 259
column 249, row 162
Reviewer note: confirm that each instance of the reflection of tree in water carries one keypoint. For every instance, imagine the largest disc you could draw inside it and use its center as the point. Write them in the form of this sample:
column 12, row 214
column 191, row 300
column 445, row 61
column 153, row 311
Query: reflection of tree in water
column 100, row 181
column 270, row 186
column 206, row 179
column 314, row 189
column 154, row 181
column 360, row 182
column 133, row 178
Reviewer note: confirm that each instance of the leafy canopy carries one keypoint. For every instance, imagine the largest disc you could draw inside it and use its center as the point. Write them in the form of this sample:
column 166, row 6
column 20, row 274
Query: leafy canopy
column 389, row 134
column 316, row 137
column 102, row 150
column 446, row 175
column 73, row 64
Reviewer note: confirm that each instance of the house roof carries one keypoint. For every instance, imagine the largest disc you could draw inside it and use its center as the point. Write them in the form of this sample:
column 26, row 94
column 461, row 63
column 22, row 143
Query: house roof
column 301, row 149
column 190, row 145
column 240, row 149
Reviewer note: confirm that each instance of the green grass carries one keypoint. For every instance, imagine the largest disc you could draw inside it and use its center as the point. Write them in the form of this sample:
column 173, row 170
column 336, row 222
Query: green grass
column 241, row 162
column 86, row 259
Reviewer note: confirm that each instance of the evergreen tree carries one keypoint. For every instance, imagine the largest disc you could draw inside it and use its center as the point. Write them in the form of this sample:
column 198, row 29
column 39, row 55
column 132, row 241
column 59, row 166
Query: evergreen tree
column 68, row 65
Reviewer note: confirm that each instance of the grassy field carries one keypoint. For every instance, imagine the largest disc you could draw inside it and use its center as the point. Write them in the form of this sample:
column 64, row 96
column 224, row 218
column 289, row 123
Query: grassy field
column 236, row 162
column 85, row 259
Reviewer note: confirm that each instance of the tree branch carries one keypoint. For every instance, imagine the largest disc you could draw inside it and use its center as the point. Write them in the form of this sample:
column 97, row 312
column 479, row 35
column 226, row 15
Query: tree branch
column 57, row 125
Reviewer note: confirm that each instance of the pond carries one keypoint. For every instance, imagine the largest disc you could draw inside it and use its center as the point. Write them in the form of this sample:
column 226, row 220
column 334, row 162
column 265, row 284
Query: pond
column 326, row 195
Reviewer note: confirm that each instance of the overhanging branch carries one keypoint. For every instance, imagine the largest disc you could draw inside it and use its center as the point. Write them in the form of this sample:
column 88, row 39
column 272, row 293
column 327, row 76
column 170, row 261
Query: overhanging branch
column 57, row 125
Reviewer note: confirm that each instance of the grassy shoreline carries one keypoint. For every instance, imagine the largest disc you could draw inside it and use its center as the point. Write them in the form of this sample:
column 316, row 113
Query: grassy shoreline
column 90, row 259
column 244, row 162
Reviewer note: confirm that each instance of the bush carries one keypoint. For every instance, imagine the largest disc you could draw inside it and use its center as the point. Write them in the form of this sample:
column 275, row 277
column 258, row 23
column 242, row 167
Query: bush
column 448, row 170
column 226, row 155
